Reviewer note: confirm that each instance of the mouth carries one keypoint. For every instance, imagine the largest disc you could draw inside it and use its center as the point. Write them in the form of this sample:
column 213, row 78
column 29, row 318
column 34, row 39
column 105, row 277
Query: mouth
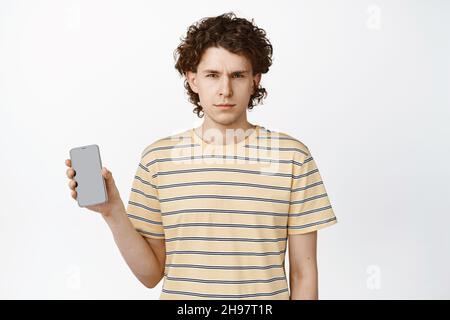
column 225, row 106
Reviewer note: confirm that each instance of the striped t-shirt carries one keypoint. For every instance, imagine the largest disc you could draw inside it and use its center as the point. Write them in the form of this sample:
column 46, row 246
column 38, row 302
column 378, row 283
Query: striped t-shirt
column 225, row 211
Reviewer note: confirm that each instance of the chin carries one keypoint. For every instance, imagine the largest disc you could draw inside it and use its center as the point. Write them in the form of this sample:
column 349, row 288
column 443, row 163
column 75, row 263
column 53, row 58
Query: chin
column 224, row 119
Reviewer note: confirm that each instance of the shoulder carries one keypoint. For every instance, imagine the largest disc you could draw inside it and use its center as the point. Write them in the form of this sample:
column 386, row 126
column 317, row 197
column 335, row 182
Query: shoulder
column 160, row 146
column 285, row 141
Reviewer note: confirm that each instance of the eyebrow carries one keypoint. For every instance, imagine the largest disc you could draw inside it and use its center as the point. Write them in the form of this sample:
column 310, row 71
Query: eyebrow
column 215, row 71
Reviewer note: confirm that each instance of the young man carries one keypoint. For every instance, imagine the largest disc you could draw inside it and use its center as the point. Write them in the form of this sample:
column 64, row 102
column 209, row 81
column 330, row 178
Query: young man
column 218, row 204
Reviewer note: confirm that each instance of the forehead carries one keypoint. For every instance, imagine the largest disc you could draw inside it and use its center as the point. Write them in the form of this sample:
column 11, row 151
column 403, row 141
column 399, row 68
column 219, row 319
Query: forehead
column 218, row 58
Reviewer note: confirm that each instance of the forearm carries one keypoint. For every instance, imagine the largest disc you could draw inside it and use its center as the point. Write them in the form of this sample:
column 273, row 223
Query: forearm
column 134, row 249
column 304, row 286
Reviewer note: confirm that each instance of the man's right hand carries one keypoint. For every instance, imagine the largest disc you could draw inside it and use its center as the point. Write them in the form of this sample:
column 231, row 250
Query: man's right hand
column 114, row 202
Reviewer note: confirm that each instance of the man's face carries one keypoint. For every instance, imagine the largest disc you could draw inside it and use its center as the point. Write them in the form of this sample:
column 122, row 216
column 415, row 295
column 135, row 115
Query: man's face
column 224, row 78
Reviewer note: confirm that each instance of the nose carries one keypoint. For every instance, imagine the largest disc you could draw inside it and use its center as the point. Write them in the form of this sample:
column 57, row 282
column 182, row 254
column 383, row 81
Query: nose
column 225, row 87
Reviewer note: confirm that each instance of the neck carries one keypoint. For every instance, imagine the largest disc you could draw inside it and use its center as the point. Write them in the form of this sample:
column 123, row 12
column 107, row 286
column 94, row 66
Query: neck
column 216, row 133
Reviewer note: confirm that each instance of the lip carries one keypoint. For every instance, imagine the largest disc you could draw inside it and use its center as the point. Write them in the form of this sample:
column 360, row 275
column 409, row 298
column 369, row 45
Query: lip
column 224, row 105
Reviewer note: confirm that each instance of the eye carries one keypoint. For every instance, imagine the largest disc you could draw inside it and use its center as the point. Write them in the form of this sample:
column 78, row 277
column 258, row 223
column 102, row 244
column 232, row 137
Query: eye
column 239, row 75
column 211, row 74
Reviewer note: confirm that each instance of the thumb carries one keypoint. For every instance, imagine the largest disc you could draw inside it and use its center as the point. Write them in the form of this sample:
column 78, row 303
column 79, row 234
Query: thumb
column 106, row 174
column 109, row 180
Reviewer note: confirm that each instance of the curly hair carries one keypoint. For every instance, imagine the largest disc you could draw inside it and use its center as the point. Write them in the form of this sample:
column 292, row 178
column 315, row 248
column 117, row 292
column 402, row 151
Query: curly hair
column 236, row 35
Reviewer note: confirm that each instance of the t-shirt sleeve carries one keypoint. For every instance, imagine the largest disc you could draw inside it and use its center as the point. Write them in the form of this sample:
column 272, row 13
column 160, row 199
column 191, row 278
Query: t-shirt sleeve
column 310, row 208
column 143, row 207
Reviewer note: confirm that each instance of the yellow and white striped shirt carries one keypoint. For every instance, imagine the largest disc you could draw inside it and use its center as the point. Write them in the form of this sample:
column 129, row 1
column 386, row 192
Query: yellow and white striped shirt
column 225, row 211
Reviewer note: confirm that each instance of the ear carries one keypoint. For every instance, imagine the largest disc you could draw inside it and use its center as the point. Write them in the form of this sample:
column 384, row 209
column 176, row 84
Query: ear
column 192, row 80
column 256, row 81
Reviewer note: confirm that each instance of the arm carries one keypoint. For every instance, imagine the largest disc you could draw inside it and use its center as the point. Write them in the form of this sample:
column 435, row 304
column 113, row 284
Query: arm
column 144, row 256
column 303, row 275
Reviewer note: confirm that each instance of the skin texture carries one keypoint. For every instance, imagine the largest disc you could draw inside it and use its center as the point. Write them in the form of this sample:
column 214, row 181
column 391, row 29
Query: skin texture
column 225, row 86
column 303, row 275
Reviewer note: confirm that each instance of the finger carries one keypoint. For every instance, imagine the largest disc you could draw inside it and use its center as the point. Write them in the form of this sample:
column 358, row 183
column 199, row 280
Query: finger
column 68, row 162
column 70, row 173
column 74, row 194
column 72, row 184
column 105, row 172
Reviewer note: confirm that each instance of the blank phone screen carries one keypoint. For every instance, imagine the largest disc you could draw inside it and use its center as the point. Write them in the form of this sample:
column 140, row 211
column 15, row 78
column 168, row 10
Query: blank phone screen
column 87, row 164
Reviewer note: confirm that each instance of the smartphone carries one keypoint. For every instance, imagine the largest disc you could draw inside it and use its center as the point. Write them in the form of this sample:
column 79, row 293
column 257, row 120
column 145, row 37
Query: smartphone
column 91, row 187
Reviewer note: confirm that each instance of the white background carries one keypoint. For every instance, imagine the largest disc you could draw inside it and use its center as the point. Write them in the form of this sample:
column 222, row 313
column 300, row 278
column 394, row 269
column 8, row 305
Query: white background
column 364, row 84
